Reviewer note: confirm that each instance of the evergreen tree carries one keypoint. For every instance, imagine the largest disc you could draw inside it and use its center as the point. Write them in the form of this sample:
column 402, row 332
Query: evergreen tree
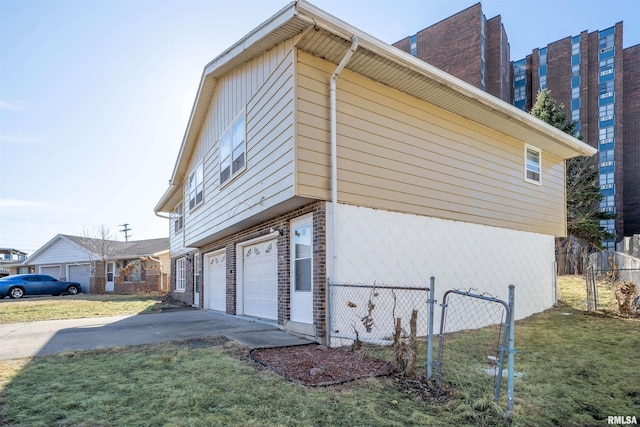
column 583, row 193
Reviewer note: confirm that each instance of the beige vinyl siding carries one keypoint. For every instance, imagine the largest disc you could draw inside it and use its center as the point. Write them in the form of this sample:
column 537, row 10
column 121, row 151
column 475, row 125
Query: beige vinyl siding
column 398, row 153
column 263, row 88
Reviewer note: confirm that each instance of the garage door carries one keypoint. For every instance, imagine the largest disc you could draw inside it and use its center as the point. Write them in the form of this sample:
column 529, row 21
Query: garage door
column 80, row 274
column 215, row 281
column 260, row 280
column 52, row 270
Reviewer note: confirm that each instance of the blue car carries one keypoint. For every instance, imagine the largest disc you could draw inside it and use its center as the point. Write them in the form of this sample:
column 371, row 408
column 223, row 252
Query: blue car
column 18, row 285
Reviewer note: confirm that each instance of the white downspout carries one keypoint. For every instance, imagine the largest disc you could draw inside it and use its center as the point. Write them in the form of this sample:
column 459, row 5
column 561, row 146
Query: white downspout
column 334, row 178
column 334, row 152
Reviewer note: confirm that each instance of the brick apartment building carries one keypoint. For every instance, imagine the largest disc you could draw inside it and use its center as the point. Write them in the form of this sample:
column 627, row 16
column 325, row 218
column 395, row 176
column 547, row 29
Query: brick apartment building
column 591, row 74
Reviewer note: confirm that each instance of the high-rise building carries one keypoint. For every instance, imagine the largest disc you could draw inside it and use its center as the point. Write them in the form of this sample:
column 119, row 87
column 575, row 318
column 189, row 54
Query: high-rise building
column 468, row 46
column 591, row 74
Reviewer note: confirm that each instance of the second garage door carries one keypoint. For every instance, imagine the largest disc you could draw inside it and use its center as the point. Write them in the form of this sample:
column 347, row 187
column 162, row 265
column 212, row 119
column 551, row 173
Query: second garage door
column 260, row 280
column 80, row 274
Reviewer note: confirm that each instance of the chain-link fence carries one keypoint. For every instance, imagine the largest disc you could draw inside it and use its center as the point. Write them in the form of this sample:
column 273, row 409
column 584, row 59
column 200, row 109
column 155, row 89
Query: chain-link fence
column 613, row 283
column 370, row 313
column 475, row 348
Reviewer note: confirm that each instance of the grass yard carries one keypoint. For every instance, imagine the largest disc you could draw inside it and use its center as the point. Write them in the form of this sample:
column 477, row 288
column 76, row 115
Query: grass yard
column 76, row 307
column 577, row 369
column 572, row 291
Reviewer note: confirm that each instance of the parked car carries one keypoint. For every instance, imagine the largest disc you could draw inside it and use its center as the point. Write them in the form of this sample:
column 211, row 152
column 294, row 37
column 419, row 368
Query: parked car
column 19, row 285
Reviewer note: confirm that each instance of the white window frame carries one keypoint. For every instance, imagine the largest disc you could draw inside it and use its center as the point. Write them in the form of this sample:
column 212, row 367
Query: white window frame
column 194, row 189
column 528, row 166
column 197, row 264
column 181, row 274
column 233, row 158
column 304, row 221
column 178, row 218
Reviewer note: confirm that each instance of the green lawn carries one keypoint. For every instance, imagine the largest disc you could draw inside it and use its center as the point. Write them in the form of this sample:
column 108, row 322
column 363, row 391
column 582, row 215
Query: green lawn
column 576, row 370
column 76, row 307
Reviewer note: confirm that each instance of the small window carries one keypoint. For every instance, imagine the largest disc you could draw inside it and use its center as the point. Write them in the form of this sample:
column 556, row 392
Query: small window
column 132, row 270
column 195, row 187
column 533, row 166
column 178, row 218
column 233, row 150
column 181, row 274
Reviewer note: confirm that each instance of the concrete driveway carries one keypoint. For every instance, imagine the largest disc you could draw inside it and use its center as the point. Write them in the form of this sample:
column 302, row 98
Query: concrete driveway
column 53, row 336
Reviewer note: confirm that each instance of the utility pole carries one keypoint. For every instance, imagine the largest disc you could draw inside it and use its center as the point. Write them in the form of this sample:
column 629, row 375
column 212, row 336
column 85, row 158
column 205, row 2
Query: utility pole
column 126, row 231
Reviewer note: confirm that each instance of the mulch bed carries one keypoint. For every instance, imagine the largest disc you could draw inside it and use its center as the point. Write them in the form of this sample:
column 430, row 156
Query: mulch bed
column 317, row 365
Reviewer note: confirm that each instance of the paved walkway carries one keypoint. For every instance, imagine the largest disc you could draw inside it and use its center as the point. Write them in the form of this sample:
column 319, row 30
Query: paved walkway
column 27, row 339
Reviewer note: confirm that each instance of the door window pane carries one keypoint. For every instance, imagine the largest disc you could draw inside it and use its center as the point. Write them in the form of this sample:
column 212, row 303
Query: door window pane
column 303, row 269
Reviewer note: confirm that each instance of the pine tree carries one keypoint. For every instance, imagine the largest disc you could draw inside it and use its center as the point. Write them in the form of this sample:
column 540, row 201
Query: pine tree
column 583, row 193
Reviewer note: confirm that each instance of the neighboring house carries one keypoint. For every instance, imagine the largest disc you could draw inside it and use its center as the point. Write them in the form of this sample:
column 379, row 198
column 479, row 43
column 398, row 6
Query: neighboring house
column 432, row 177
column 105, row 265
column 8, row 258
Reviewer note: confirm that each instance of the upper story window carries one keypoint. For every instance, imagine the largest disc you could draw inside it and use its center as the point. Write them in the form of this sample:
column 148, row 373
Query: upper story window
column 194, row 189
column 178, row 218
column 233, row 148
column 532, row 165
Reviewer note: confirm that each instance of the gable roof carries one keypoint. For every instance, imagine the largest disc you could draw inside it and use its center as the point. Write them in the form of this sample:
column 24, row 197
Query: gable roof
column 119, row 249
column 325, row 36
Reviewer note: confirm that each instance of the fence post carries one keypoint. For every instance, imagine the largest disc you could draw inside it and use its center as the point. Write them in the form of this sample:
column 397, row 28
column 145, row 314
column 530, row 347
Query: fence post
column 328, row 314
column 511, row 348
column 441, row 339
column 432, row 301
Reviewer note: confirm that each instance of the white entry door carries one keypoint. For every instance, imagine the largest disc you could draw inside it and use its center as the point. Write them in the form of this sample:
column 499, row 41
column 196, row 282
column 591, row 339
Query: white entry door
column 215, row 281
column 111, row 273
column 302, row 270
column 260, row 280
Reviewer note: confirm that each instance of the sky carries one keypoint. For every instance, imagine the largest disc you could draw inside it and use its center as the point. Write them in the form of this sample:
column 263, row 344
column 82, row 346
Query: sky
column 95, row 95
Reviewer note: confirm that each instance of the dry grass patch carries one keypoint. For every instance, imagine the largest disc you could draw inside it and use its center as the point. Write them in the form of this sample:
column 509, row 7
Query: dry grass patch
column 78, row 306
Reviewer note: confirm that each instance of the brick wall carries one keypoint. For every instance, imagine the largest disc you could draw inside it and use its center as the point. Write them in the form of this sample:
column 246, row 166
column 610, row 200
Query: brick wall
column 631, row 140
column 282, row 223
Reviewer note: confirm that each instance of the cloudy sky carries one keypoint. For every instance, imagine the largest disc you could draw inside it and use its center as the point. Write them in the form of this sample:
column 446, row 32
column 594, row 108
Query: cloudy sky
column 95, row 94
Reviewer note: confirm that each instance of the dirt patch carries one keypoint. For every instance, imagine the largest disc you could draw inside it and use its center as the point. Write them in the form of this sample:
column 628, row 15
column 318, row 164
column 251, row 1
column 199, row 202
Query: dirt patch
column 317, row 365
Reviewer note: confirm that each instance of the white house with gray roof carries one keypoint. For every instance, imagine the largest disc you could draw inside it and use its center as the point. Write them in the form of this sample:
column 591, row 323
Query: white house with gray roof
column 102, row 265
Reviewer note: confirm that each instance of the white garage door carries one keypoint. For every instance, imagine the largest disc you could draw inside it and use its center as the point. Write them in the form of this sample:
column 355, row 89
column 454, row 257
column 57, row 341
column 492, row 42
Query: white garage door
column 215, row 281
column 80, row 274
column 260, row 280
column 52, row 270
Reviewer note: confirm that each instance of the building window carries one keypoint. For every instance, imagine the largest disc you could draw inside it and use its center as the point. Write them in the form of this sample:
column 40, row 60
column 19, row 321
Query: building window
column 302, row 255
column 233, row 149
column 606, row 110
column 178, row 218
column 606, row 156
column 413, row 45
column 181, row 274
column 607, row 179
column 195, row 187
column 606, row 87
column 132, row 270
column 533, row 165
column 606, row 134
